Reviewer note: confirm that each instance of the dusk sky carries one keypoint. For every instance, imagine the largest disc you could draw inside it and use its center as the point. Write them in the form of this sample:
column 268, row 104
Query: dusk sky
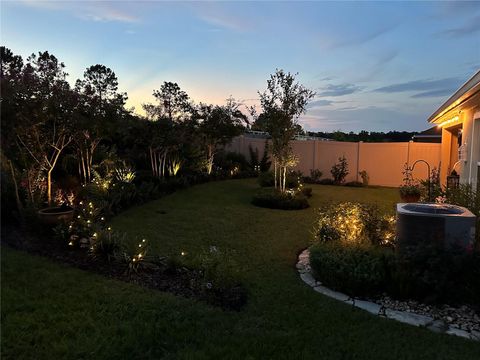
column 376, row 66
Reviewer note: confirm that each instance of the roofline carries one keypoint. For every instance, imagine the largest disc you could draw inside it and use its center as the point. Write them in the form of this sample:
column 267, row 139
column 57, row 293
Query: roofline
column 465, row 92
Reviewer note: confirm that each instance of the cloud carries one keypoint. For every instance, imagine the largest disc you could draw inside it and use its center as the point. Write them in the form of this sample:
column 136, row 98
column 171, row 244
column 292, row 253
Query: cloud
column 472, row 26
column 427, row 85
column 214, row 15
column 433, row 93
column 320, row 102
column 90, row 11
column 339, row 90
column 370, row 118
column 334, row 41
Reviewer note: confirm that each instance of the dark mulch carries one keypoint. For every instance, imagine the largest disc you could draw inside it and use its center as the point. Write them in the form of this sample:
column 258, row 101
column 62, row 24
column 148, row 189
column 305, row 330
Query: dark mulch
column 158, row 275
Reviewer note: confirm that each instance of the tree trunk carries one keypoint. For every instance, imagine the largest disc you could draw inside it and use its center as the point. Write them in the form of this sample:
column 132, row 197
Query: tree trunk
column 49, row 186
column 17, row 197
column 275, row 172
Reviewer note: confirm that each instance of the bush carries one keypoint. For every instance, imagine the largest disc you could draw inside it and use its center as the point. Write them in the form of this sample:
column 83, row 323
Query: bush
column 274, row 199
column 307, row 191
column 429, row 273
column 219, row 279
column 339, row 171
column 106, row 245
column 365, row 177
column 326, row 182
column 266, row 179
column 354, row 270
column 354, row 184
column 314, row 178
column 467, row 197
column 352, row 223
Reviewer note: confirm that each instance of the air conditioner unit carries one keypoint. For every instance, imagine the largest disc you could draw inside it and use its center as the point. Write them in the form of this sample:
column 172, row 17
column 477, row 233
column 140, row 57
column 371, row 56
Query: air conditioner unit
column 443, row 225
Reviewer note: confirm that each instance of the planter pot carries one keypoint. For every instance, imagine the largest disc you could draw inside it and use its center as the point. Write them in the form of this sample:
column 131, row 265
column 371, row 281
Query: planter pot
column 410, row 198
column 55, row 215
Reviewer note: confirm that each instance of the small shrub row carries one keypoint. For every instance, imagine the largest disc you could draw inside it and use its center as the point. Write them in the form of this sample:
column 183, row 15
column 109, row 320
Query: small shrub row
column 427, row 274
column 354, row 270
column 274, row 199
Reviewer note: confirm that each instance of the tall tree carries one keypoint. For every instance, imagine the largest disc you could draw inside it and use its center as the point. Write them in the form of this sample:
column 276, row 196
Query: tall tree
column 218, row 125
column 45, row 127
column 101, row 106
column 282, row 103
column 173, row 103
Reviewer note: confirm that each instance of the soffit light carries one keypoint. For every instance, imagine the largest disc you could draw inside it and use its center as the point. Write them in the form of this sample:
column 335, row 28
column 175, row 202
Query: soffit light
column 449, row 121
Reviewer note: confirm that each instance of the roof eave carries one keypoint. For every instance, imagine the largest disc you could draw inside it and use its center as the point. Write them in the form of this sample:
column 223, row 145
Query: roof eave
column 466, row 91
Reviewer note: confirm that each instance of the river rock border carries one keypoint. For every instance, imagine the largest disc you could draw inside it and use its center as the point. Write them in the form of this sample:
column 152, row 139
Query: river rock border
column 304, row 269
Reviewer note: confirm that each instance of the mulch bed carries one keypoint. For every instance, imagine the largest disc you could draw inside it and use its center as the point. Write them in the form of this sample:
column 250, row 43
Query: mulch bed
column 180, row 281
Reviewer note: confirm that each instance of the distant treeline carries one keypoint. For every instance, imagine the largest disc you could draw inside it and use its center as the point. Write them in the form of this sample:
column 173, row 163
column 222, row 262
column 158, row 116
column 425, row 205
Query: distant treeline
column 366, row 136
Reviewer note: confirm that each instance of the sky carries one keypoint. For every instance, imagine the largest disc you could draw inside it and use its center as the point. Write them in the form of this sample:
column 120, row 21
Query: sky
column 375, row 66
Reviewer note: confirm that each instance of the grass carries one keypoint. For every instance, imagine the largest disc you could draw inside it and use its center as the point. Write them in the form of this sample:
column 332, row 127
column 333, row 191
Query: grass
column 51, row 311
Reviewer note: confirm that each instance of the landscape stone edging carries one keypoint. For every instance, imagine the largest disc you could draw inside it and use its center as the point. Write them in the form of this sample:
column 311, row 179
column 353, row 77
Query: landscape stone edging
column 304, row 269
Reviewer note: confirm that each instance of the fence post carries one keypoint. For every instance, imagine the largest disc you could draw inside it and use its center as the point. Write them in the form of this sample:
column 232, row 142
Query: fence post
column 408, row 152
column 358, row 159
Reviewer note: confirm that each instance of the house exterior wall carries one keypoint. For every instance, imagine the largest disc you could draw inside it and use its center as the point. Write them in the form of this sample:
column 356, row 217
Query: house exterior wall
column 383, row 162
column 469, row 119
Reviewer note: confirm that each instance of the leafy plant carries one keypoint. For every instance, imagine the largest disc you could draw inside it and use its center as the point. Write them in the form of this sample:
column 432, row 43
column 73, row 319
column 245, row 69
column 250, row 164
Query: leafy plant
column 315, row 176
column 365, row 177
column 265, row 162
column 339, row 170
column 355, row 270
column 354, row 223
column 134, row 256
column 274, row 199
column 106, row 244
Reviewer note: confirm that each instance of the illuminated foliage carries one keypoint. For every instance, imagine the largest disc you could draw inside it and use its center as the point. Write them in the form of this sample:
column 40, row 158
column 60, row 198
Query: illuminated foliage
column 354, row 223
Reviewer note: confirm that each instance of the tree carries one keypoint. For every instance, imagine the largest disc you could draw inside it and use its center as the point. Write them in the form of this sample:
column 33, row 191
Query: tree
column 173, row 103
column 100, row 106
column 282, row 103
column 218, row 125
column 44, row 127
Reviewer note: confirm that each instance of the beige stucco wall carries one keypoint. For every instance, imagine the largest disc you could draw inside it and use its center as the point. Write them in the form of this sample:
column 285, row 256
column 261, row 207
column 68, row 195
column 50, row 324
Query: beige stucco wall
column 383, row 161
column 469, row 119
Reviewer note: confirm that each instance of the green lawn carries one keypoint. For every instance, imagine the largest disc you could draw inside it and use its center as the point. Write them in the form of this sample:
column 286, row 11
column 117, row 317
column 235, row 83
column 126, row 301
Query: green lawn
column 51, row 311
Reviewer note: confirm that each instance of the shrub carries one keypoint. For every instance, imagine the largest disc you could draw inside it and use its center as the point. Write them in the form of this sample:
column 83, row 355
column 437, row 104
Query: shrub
column 429, row 273
column 365, row 177
column 353, row 223
column 265, row 179
column 134, row 256
column 274, row 199
column 106, row 244
column 219, row 279
column 354, row 184
column 326, row 182
column 265, row 162
column 354, row 270
column 315, row 176
column 339, row 170
column 307, row 191
column 467, row 197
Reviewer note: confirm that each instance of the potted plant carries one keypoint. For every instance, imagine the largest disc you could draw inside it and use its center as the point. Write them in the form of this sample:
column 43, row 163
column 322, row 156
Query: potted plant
column 56, row 214
column 410, row 190
column 410, row 193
